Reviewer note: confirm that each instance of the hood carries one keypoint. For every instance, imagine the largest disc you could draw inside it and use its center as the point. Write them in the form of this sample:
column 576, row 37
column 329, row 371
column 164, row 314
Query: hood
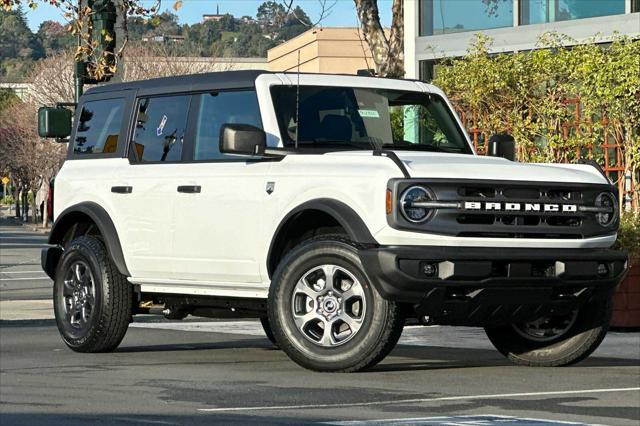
column 462, row 166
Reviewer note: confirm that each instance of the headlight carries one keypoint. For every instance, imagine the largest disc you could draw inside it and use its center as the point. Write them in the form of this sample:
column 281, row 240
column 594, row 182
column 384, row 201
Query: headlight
column 608, row 200
column 415, row 214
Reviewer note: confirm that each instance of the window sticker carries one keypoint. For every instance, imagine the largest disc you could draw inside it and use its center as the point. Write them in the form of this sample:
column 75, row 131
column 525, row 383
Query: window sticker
column 369, row 113
column 160, row 128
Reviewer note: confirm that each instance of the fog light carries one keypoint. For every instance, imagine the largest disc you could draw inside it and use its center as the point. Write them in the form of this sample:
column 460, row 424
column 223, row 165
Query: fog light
column 429, row 269
column 603, row 269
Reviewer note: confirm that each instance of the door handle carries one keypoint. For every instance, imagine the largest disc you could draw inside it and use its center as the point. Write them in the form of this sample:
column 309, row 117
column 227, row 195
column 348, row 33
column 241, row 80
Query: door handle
column 190, row 189
column 122, row 189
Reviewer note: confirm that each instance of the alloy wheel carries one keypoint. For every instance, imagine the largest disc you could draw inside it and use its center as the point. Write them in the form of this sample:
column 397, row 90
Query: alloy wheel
column 328, row 305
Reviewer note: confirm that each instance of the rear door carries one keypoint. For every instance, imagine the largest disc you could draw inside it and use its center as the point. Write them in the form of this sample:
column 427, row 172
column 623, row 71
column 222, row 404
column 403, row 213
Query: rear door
column 217, row 229
column 146, row 190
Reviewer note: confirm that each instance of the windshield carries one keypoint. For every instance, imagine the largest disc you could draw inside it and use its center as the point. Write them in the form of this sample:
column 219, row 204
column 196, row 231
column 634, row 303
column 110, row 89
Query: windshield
column 363, row 118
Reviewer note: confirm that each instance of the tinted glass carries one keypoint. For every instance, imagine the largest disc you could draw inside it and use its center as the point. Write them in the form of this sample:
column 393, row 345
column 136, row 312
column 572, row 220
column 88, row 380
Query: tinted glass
column 160, row 128
column 344, row 117
column 218, row 108
column 99, row 127
column 542, row 11
column 446, row 16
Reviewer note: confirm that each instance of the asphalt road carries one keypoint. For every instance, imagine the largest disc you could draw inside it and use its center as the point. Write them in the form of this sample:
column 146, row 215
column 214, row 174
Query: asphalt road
column 21, row 277
column 226, row 372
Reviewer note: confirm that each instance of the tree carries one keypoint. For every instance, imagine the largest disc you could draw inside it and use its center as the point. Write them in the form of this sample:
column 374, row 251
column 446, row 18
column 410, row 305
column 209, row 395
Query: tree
column 7, row 97
column 54, row 36
column 18, row 46
column 295, row 23
column 270, row 15
column 52, row 80
column 30, row 160
column 165, row 23
column 387, row 48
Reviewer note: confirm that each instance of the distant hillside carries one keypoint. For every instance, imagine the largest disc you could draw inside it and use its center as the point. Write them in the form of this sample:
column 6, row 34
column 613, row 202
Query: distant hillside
column 218, row 35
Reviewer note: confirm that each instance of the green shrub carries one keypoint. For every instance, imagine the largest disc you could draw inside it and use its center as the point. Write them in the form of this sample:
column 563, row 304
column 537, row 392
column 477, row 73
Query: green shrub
column 7, row 200
column 629, row 234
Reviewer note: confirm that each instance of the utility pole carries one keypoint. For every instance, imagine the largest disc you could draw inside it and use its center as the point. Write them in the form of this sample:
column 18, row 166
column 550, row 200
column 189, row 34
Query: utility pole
column 103, row 19
column 119, row 32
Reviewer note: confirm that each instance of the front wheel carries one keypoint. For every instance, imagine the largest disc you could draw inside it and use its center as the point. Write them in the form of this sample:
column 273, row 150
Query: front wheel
column 556, row 340
column 91, row 299
column 324, row 312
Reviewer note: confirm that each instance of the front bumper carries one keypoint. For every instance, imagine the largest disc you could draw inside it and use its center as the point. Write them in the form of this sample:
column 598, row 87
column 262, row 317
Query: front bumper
column 484, row 286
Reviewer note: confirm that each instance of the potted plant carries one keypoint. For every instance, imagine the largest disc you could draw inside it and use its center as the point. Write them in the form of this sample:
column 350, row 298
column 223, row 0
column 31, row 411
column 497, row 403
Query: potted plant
column 626, row 301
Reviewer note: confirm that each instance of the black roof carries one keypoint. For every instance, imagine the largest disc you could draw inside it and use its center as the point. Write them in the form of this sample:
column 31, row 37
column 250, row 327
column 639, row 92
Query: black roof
column 185, row 83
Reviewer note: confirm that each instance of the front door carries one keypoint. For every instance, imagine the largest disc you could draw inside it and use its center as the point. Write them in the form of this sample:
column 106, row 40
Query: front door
column 217, row 227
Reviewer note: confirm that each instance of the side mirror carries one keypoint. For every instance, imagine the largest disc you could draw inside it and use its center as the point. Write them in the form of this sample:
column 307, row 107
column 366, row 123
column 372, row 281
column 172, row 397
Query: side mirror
column 502, row 145
column 242, row 139
column 54, row 122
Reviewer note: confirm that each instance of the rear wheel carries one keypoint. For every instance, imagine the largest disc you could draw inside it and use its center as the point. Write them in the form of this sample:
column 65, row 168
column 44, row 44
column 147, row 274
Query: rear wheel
column 555, row 340
column 92, row 300
column 324, row 312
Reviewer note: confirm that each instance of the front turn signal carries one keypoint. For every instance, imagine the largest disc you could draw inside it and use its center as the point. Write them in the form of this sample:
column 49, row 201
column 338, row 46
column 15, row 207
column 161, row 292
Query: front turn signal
column 389, row 202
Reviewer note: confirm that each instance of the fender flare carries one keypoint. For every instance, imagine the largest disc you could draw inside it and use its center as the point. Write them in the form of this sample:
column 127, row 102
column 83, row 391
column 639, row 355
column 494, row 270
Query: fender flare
column 104, row 223
column 341, row 212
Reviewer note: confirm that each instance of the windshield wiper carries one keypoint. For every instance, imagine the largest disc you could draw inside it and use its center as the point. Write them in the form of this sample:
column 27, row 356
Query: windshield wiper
column 419, row 147
column 322, row 142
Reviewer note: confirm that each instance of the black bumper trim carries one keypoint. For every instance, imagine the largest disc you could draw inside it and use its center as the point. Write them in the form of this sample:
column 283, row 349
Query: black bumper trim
column 489, row 285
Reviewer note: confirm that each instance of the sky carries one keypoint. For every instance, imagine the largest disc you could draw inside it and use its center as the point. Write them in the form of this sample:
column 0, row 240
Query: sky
column 342, row 14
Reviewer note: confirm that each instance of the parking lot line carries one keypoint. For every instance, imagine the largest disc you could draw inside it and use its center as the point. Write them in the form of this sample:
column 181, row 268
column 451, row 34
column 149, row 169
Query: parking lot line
column 416, row 400
column 21, row 272
column 23, row 245
column 26, row 279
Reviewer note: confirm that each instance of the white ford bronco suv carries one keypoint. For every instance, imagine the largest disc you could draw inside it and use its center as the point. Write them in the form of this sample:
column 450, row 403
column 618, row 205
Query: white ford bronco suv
column 334, row 208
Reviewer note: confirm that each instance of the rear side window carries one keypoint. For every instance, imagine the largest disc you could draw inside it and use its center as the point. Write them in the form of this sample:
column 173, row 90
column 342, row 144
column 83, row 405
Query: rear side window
column 160, row 128
column 99, row 127
column 218, row 108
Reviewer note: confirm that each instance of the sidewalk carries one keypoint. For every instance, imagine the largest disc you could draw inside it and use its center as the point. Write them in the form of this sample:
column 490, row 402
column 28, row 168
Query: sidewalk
column 12, row 310
column 9, row 219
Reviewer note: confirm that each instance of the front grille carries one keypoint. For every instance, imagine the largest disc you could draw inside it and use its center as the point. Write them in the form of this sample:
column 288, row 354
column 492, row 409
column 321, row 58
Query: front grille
column 516, row 225
column 507, row 209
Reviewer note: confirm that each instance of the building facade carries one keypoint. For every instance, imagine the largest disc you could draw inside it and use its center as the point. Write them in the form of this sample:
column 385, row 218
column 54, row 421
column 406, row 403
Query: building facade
column 437, row 29
column 322, row 50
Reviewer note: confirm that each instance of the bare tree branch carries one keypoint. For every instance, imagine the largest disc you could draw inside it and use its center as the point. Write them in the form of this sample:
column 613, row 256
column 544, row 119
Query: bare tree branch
column 325, row 11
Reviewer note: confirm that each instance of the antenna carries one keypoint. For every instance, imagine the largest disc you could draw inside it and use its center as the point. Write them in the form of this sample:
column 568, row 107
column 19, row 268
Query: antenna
column 298, row 103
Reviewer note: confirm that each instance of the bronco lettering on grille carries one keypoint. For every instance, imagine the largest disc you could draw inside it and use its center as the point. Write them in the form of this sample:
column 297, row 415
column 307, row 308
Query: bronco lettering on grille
column 516, row 207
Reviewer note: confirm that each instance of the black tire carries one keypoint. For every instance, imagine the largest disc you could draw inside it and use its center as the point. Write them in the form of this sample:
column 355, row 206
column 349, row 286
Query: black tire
column 108, row 319
column 381, row 322
column 268, row 331
column 575, row 344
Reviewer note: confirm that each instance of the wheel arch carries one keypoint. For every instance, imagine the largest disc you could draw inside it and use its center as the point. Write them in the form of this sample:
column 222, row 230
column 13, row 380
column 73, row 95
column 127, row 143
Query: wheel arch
column 92, row 214
column 321, row 213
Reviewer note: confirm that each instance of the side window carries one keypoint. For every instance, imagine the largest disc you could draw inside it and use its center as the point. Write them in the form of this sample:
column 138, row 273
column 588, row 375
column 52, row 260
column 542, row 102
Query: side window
column 99, row 127
column 218, row 108
column 160, row 127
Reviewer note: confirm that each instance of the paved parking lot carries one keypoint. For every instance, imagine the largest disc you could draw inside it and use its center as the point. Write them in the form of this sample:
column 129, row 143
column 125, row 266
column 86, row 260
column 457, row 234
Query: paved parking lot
column 204, row 372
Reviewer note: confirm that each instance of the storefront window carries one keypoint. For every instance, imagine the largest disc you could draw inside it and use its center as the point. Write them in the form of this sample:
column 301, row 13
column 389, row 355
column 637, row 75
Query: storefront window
column 446, row 16
column 542, row 11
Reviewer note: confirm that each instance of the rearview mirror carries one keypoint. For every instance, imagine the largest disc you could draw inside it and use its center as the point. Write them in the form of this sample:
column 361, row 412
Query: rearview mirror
column 54, row 122
column 242, row 139
column 502, row 145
